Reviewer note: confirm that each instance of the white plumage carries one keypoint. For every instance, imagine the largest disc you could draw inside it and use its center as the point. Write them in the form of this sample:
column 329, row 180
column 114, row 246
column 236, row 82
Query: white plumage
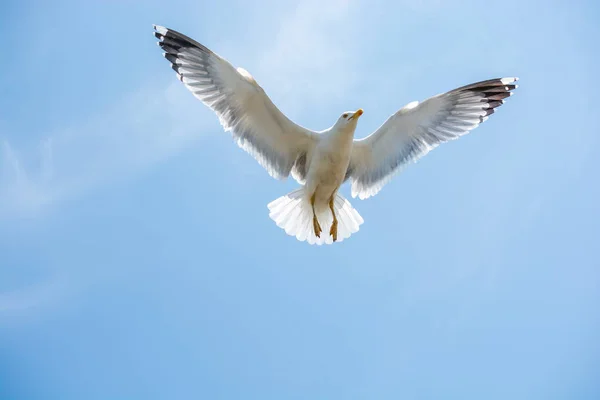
column 322, row 161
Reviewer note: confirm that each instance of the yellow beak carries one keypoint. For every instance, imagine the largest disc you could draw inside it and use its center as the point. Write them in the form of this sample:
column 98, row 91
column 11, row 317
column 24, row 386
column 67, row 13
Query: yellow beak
column 357, row 113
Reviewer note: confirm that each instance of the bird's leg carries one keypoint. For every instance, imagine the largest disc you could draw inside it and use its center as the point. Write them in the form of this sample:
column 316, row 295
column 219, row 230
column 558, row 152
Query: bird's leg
column 333, row 231
column 316, row 225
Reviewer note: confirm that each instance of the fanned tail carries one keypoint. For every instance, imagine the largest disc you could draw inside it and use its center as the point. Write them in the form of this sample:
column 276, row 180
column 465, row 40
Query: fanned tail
column 293, row 213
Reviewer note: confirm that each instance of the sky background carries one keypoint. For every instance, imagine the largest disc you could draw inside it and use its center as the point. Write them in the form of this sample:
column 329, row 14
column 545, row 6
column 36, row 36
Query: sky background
column 138, row 261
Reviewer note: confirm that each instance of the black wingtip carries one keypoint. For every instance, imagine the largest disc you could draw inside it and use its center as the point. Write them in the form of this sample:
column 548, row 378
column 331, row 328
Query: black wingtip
column 494, row 104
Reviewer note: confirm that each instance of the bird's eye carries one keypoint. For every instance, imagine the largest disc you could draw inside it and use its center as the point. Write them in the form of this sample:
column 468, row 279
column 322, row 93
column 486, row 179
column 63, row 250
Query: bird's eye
column 345, row 116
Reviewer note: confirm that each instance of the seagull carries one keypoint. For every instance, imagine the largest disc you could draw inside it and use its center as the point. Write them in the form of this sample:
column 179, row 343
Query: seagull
column 321, row 161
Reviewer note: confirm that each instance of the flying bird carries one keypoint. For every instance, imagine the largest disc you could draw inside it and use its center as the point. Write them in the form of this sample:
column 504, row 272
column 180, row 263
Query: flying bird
column 321, row 161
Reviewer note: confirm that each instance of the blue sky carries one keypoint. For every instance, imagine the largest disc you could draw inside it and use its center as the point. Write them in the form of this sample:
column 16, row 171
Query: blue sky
column 138, row 261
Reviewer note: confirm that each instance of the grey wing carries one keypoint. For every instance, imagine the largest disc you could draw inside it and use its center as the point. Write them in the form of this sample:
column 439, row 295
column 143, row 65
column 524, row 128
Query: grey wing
column 242, row 106
column 300, row 167
column 418, row 128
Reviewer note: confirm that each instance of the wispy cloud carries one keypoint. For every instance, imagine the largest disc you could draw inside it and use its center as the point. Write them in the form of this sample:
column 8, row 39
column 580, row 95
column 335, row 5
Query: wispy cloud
column 33, row 296
column 312, row 41
column 144, row 127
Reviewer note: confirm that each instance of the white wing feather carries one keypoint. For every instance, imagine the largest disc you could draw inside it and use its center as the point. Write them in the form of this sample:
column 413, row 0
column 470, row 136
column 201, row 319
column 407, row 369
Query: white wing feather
column 242, row 106
column 418, row 128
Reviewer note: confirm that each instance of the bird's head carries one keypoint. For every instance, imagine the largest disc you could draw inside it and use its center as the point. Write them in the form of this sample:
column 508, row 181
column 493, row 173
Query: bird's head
column 349, row 118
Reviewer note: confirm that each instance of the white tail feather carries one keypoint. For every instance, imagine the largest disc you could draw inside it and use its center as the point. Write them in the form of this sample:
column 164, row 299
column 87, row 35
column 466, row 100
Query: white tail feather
column 293, row 213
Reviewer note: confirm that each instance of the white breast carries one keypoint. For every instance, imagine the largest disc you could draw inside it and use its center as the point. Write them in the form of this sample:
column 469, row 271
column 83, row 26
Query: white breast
column 329, row 163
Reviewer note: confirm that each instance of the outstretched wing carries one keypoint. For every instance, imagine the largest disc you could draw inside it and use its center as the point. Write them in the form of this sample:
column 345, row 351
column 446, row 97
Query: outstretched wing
column 242, row 106
column 418, row 128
